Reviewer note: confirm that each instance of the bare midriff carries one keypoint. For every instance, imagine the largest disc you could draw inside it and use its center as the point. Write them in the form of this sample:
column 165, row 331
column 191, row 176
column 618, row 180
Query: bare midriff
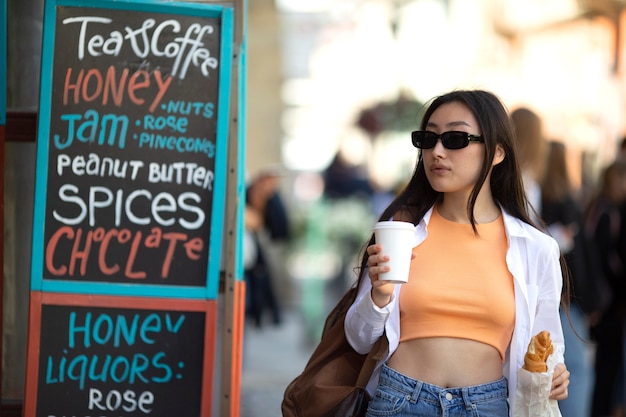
column 447, row 362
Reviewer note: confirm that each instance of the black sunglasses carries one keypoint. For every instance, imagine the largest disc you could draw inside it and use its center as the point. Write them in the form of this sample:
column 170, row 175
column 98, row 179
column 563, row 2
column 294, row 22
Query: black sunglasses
column 423, row 139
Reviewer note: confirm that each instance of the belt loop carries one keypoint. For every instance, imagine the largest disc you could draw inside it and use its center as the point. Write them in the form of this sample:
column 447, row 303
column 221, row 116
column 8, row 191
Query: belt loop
column 416, row 391
column 466, row 398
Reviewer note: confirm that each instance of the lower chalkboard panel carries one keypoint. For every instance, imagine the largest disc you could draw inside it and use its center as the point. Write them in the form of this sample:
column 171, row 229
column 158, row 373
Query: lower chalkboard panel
column 119, row 356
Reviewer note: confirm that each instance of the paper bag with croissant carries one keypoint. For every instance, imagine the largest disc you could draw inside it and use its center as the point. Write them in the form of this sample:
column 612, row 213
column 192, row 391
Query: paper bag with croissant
column 534, row 380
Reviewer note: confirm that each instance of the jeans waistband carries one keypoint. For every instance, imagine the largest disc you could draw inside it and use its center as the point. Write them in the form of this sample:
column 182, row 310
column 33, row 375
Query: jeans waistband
column 424, row 391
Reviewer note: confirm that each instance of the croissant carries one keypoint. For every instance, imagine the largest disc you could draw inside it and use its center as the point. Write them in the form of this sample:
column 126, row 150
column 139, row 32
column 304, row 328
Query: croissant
column 539, row 348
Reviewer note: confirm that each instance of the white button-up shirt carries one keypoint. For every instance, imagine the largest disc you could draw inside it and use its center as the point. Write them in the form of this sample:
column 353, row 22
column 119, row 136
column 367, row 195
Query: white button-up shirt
column 532, row 258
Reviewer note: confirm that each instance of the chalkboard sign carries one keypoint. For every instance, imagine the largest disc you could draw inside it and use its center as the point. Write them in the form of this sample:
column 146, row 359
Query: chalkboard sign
column 131, row 148
column 128, row 358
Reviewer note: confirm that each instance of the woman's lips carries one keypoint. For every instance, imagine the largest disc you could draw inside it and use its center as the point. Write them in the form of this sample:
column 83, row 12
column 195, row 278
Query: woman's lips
column 438, row 169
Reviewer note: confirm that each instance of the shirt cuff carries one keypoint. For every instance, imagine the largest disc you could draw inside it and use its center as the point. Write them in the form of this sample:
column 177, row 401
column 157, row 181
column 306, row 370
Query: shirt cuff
column 372, row 314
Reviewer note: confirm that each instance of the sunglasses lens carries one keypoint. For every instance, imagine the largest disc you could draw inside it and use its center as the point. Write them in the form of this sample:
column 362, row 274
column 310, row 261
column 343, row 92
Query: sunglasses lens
column 423, row 139
column 454, row 140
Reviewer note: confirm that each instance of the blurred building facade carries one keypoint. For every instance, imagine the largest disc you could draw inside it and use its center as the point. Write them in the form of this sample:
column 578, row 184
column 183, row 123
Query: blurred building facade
column 563, row 58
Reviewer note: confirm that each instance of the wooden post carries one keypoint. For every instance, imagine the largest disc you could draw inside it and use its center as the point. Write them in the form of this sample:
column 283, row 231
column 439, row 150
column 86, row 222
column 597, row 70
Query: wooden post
column 234, row 287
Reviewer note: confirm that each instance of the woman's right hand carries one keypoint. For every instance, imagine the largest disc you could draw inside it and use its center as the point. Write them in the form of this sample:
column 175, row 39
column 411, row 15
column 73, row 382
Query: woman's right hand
column 381, row 290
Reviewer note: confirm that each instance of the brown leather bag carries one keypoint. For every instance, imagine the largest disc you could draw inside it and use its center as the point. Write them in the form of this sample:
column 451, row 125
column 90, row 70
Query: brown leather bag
column 334, row 379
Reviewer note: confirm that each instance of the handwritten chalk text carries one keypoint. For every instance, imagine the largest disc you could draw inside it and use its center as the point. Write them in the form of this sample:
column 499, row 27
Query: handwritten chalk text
column 185, row 51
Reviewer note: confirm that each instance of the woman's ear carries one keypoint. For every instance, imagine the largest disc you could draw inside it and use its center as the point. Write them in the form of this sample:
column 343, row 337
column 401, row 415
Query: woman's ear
column 498, row 155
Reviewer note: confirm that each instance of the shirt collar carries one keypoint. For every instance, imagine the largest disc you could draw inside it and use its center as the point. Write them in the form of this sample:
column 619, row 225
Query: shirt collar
column 514, row 226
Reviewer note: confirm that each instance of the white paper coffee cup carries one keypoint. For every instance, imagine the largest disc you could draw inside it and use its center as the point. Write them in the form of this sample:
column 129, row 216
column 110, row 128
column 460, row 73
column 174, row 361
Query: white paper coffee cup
column 397, row 240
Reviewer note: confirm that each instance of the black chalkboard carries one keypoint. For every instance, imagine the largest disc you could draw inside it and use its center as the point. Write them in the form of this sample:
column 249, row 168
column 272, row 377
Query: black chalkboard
column 97, row 361
column 132, row 146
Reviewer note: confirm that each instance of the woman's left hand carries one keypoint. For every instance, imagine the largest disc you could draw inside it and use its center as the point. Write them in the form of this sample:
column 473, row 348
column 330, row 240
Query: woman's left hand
column 560, row 382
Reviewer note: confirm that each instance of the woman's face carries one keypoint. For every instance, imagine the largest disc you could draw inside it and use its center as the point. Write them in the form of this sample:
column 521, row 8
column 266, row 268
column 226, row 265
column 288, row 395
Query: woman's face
column 453, row 170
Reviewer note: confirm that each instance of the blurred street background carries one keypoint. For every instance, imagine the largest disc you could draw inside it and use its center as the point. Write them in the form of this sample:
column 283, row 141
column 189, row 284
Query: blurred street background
column 335, row 87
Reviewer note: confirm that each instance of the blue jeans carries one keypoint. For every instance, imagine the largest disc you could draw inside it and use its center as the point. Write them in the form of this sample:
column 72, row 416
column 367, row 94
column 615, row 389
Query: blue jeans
column 398, row 395
column 579, row 361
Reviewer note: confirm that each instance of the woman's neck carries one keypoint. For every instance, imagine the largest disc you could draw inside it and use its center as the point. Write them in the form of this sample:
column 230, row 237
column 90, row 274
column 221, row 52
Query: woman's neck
column 454, row 208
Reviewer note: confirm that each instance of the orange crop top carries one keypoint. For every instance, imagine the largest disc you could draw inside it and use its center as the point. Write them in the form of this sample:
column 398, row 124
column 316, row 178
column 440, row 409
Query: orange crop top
column 459, row 285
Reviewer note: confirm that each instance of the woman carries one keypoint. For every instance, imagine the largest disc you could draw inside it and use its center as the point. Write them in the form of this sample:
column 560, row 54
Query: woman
column 482, row 282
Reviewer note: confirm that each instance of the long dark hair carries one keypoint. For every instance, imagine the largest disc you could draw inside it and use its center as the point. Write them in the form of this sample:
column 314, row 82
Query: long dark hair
column 507, row 188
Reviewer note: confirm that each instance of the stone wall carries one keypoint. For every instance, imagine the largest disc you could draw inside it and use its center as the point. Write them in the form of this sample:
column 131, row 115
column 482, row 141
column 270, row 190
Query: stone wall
column 264, row 77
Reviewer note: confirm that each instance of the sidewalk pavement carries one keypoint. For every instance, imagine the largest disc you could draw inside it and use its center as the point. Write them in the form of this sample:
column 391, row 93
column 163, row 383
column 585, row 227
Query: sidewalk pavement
column 273, row 356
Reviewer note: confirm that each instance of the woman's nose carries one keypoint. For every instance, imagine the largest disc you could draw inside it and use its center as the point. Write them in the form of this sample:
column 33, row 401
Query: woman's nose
column 438, row 149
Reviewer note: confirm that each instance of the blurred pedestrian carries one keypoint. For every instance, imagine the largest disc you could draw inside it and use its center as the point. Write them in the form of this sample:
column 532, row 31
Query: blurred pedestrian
column 604, row 222
column 343, row 179
column 530, row 146
column 621, row 151
column 347, row 188
column 562, row 213
column 265, row 212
